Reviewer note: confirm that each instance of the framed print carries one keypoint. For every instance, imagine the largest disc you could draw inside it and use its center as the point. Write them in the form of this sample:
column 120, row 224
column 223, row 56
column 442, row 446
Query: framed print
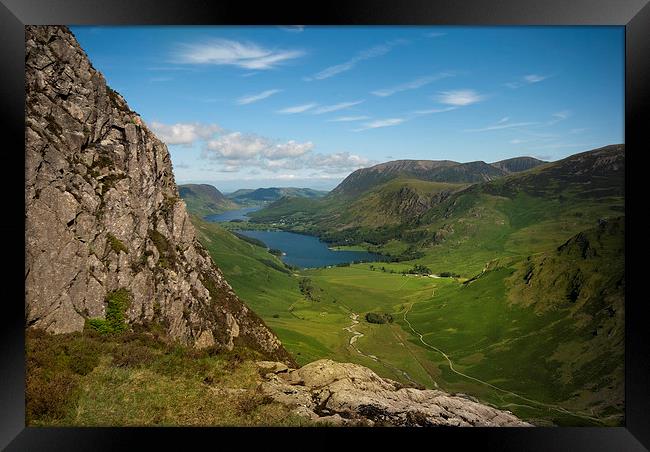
column 394, row 216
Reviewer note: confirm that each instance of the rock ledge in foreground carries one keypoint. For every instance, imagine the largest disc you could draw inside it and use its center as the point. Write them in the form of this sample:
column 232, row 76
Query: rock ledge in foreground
column 350, row 394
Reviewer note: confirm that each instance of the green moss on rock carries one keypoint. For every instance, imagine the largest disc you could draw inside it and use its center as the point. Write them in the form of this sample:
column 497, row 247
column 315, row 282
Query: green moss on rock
column 117, row 302
column 116, row 244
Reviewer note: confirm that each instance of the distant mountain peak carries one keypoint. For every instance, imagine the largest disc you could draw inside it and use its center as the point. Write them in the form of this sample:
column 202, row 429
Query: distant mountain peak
column 448, row 171
column 271, row 194
column 518, row 164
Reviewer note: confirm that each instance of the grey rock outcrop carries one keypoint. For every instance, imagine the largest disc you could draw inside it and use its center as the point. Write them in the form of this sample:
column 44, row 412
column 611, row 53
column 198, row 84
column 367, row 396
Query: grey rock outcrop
column 103, row 213
column 349, row 394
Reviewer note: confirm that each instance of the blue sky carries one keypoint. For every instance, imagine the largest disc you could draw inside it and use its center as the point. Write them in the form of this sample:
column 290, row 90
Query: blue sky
column 247, row 107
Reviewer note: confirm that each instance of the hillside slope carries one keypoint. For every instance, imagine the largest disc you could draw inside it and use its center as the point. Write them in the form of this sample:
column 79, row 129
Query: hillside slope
column 204, row 199
column 467, row 225
column 518, row 164
column 388, row 194
column 109, row 244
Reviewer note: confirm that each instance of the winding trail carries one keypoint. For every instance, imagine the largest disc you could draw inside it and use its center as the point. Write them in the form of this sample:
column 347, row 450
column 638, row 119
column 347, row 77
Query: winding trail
column 357, row 334
column 451, row 367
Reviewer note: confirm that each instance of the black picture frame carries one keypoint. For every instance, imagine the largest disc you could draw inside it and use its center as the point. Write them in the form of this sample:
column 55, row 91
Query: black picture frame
column 634, row 15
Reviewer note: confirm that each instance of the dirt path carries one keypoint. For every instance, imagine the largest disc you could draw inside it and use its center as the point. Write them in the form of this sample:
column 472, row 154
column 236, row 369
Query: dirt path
column 451, row 367
column 357, row 334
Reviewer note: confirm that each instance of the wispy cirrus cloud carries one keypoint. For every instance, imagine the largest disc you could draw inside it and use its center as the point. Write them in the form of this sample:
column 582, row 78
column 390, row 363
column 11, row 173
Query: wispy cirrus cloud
column 502, row 125
column 245, row 100
column 247, row 55
column 460, row 98
column 363, row 55
column 433, row 111
column 183, row 133
column 297, row 109
column 558, row 117
column 380, row 123
column 335, row 107
column 293, row 28
column 348, row 118
column 535, row 78
column 413, row 84
column 527, row 80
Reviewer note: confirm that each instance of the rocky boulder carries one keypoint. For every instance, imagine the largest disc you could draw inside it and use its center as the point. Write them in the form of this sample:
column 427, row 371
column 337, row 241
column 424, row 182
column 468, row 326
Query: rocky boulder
column 350, row 394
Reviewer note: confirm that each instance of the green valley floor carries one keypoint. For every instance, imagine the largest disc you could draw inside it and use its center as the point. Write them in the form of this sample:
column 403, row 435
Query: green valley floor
column 462, row 335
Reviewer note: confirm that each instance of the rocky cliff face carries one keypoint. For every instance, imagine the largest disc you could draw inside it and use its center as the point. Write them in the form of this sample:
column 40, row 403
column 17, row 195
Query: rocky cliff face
column 407, row 203
column 103, row 214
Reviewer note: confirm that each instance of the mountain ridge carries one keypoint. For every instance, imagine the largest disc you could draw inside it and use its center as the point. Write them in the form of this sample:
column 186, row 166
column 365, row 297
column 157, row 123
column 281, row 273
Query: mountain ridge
column 449, row 171
column 270, row 194
column 517, row 164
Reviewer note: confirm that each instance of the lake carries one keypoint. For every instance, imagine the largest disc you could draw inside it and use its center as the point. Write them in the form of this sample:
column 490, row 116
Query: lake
column 306, row 251
column 229, row 215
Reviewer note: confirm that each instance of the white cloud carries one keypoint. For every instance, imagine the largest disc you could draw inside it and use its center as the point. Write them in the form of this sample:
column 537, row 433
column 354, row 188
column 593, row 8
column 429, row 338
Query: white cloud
column 289, row 149
column 237, row 151
column 413, row 84
column 367, row 54
column 297, row 109
column 293, row 28
column 257, row 97
column 246, row 55
column 348, row 118
column 433, row 110
column 559, row 116
column 501, row 125
column 535, row 78
column 237, row 145
column 460, row 98
column 335, row 107
column 527, row 80
column 339, row 162
column 227, row 169
column 183, row 133
column 380, row 123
